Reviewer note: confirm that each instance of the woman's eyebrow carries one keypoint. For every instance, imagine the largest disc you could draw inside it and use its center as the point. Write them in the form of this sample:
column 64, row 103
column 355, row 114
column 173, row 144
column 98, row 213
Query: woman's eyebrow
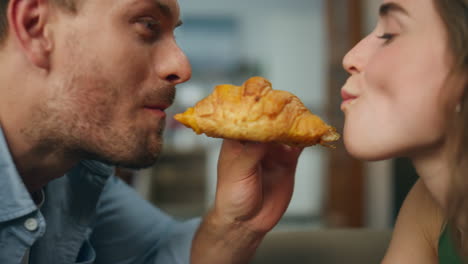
column 390, row 7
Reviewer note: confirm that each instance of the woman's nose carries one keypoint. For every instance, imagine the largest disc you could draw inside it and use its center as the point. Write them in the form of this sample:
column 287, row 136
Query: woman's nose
column 356, row 59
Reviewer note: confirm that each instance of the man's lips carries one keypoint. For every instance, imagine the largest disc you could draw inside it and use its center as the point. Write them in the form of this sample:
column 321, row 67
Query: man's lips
column 157, row 109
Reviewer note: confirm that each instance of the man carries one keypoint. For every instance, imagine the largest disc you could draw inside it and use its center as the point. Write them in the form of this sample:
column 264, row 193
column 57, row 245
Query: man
column 84, row 84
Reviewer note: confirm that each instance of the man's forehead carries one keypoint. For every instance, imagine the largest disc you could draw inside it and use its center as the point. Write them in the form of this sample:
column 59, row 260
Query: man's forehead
column 168, row 8
column 166, row 4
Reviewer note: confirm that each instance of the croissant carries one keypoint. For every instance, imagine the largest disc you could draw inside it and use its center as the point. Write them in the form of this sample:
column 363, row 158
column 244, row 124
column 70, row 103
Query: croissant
column 256, row 112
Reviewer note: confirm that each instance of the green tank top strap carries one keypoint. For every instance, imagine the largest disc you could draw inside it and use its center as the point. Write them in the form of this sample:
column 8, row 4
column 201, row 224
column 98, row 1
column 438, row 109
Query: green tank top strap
column 447, row 250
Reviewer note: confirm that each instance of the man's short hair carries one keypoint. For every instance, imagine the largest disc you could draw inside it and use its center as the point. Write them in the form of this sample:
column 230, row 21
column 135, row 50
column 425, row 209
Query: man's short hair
column 69, row 5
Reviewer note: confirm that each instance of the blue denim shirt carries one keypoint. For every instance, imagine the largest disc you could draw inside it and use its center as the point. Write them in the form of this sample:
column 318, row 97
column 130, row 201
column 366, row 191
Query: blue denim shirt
column 89, row 216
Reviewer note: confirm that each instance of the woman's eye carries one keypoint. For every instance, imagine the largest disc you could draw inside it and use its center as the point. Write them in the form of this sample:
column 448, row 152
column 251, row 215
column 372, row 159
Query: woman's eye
column 387, row 37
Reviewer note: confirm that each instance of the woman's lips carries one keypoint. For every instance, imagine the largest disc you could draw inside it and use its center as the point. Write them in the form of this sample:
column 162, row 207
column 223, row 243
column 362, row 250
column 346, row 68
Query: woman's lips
column 347, row 98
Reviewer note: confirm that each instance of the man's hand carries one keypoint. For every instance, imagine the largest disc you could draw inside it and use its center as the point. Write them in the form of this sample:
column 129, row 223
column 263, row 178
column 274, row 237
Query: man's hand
column 255, row 185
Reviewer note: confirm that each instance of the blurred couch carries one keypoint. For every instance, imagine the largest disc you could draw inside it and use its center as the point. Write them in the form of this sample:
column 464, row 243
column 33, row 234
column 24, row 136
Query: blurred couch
column 323, row 246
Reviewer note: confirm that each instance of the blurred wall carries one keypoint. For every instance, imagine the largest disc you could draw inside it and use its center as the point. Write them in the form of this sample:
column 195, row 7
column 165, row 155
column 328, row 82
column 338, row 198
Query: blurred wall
column 286, row 37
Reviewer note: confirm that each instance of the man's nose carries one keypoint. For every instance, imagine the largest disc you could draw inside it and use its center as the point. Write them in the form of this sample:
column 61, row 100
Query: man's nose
column 175, row 66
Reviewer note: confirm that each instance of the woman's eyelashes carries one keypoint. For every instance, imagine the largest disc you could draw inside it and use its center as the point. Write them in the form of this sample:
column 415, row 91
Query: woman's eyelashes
column 387, row 37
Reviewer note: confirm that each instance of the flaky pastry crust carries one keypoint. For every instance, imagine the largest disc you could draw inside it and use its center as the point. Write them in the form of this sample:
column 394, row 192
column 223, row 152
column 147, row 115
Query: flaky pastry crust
column 256, row 112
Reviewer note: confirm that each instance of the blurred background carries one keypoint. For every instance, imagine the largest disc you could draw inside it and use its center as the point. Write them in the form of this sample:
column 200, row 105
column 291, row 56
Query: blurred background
column 298, row 45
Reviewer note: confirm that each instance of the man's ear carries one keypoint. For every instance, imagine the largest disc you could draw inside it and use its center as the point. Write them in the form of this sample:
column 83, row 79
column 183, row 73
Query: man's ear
column 27, row 21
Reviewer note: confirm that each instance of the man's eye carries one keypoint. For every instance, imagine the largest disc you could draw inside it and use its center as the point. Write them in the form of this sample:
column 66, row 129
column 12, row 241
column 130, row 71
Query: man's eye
column 151, row 24
column 148, row 27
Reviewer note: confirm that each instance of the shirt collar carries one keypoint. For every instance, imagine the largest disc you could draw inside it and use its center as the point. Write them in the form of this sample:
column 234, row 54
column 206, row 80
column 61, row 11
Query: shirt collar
column 15, row 200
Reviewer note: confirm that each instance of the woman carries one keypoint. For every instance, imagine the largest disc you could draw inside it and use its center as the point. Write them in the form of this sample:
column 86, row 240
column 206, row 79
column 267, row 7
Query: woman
column 407, row 96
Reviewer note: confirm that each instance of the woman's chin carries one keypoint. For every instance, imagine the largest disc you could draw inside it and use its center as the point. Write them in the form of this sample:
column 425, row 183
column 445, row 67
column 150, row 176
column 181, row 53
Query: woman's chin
column 365, row 150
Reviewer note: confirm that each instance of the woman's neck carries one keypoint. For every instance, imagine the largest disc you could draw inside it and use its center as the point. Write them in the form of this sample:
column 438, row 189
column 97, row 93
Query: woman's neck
column 433, row 167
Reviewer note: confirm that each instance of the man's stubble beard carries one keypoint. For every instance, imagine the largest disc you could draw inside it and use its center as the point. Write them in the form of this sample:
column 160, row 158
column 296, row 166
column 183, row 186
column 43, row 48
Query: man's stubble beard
column 78, row 122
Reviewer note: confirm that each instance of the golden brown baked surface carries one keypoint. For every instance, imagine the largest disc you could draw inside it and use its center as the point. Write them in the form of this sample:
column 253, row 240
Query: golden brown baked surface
column 256, row 112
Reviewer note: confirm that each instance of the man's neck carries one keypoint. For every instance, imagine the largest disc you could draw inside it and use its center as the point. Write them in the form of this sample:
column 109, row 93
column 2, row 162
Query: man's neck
column 37, row 164
column 37, row 161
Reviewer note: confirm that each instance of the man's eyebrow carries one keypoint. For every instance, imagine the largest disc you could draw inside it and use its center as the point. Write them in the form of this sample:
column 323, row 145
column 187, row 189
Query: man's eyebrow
column 166, row 11
column 387, row 8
